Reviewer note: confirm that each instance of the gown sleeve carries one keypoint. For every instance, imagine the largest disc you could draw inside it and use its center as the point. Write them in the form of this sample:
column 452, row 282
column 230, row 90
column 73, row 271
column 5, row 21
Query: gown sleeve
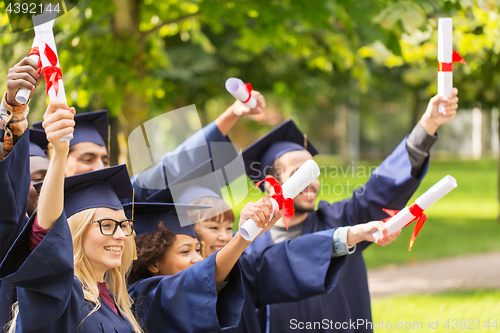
column 188, row 301
column 292, row 270
column 14, row 188
column 193, row 152
column 44, row 277
column 391, row 186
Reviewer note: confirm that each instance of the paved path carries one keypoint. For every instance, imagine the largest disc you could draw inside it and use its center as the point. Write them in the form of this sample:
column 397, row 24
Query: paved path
column 470, row 272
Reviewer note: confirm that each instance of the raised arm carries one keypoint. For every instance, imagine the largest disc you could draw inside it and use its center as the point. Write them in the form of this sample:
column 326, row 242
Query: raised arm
column 57, row 122
column 229, row 117
column 260, row 212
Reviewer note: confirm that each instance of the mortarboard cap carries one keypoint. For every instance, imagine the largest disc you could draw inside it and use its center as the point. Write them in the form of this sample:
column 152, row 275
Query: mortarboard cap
column 148, row 215
column 38, row 142
column 102, row 188
column 200, row 182
column 89, row 127
column 260, row 155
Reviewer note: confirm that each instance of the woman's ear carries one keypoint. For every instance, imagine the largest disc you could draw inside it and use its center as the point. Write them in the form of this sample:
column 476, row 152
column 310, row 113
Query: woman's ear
column 154, row 268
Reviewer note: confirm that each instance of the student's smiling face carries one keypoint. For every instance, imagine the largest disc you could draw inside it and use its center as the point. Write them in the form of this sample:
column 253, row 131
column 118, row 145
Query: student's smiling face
column 85, row 157
column 104, row 252
column 288, row 164
column 214, row 234
column 182, row 254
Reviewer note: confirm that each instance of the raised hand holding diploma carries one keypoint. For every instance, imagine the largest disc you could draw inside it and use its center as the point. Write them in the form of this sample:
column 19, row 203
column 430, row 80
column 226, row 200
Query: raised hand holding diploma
column 23, row 94
column 283, row 197
column 446, row 58
column 241, row 91
column 415, row 210
column 48, row 54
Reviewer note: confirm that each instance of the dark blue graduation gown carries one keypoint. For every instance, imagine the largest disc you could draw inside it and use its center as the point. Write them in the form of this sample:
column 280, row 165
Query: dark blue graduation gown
column 288, row 271
column 14, row 188
column 390, row 186
column 188, row 156
column 188, row 301
column 50, row 296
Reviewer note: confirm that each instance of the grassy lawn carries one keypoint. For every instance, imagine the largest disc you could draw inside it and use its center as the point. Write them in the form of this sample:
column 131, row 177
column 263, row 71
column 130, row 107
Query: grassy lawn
column 470, row 309
column 463, row 222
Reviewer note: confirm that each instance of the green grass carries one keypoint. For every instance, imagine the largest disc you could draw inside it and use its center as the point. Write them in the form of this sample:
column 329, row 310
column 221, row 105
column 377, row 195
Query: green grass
column 463, row 222
column 469, row 308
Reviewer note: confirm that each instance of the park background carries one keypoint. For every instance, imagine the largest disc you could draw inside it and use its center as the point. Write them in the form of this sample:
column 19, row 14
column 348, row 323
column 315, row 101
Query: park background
column 355, row 75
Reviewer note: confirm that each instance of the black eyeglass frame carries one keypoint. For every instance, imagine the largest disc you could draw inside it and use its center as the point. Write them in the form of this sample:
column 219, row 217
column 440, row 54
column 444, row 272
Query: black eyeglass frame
column 116, row 226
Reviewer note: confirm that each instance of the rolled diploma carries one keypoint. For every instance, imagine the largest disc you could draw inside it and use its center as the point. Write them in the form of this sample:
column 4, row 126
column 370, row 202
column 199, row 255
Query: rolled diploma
column 44, row 35
column 237, row 88
column 436, row 192
column 445, row 51
column 23, row 94
column 308, row 172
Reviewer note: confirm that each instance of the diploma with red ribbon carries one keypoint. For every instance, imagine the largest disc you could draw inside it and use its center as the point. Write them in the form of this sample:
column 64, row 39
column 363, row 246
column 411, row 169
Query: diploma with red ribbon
column 23, row 94
column 48, row 54
column 446, row 58
column 415, row 211
column 241, row 91
column 283, row 197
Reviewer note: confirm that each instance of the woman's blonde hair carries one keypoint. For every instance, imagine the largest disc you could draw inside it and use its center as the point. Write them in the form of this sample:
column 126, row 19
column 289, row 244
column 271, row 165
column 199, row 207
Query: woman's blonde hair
column 115, row 278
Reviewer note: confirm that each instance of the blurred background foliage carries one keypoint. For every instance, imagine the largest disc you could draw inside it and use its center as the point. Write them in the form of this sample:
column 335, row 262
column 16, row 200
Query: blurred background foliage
column 141, row 58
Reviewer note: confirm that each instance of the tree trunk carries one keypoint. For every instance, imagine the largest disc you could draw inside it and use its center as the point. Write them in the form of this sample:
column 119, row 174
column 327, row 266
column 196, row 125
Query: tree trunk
column 498, row 192
column 417, row 108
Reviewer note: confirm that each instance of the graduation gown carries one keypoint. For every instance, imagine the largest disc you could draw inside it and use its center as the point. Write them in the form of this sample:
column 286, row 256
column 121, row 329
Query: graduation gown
column 390, row 186
column 50, row 296
column 14, row 187
column 288, row 271
column 188, row 300
column 195, row 151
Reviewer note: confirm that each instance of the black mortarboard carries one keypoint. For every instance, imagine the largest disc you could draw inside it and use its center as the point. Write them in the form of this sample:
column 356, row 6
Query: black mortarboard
column 102, row 188
column 261, row 154
column 148, row 215
column 89, row 127
column 38, row 142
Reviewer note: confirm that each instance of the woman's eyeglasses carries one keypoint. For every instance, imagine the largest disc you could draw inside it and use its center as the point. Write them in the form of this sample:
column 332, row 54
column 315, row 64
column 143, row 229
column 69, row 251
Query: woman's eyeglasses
column 108, row 226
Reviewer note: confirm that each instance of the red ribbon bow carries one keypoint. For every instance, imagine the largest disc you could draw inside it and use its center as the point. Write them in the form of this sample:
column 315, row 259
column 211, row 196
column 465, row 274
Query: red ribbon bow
column 249, row 89
column 420, row 217
column 286, row 204
column 448, row 66
column 52, row 73
column 35, row 51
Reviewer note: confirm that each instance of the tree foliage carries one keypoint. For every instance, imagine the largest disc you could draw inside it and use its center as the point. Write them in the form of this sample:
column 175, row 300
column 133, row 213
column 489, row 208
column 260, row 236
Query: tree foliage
column 139, row 58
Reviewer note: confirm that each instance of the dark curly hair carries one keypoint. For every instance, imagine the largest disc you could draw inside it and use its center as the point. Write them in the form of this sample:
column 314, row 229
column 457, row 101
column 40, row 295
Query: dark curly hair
column 150, row 249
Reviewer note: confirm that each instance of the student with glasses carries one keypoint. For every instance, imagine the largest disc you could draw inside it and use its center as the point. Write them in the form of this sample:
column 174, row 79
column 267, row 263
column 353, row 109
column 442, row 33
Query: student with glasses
column 70, row 276
column 71, row 262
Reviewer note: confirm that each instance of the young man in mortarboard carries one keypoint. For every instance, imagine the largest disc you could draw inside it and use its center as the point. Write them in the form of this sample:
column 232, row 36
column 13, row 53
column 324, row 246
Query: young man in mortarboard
column 279, row 154
column 280, row 273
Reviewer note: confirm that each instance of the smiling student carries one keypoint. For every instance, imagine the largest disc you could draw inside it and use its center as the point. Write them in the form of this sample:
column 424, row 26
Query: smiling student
column 71, row 272
column 278, row 274
column 169, row 254
column 281, row 152
column 70, row 275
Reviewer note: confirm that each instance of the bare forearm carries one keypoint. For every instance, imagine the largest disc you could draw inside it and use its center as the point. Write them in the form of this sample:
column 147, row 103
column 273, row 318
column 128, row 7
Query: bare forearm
column 51, row 200
column 226, row 121
column 228, row 256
